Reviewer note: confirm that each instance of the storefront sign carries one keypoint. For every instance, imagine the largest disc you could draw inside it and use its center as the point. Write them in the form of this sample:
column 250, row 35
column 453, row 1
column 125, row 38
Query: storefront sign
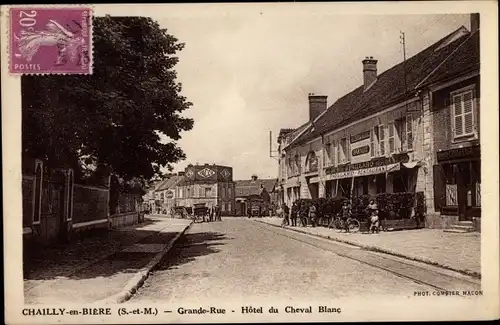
column 459, row 153
column 368, row 164
column 360, row 136
column 364, row 172
column 361, row 150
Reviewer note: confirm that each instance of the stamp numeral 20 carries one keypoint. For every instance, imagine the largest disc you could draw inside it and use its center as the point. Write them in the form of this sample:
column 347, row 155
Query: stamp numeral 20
column 27, row 19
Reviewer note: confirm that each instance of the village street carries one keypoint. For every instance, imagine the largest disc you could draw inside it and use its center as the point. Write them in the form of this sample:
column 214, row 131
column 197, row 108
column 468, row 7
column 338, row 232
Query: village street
column 241, row 259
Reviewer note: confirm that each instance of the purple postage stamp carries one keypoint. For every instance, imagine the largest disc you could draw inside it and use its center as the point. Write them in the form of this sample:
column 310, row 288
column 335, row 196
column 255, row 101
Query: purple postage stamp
column 50, row 40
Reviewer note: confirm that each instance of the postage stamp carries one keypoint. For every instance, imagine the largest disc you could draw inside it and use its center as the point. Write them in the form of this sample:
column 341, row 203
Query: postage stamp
column 50, row 40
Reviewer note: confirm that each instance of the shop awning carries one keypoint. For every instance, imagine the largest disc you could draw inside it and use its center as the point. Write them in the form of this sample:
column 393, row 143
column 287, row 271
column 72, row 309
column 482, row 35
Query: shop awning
column 412, row 164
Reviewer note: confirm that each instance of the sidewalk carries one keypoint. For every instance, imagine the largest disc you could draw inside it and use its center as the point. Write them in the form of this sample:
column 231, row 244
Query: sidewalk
column 457, row 252
column 98, row 266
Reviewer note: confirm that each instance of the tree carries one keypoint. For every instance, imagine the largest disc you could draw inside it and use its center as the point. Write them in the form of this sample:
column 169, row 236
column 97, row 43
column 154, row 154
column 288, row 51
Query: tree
column 113, row 118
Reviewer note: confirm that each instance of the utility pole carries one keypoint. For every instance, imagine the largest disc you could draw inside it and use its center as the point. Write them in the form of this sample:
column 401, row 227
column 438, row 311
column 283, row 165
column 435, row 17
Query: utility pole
column 403, row 43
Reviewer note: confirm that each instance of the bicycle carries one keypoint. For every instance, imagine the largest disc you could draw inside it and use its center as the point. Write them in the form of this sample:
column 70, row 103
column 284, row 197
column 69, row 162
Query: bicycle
column 352, row 224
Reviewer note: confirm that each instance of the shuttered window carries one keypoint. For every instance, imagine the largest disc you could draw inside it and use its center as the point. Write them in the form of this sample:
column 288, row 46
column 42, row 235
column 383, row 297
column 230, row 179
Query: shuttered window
column 392, row 145
column 463, row 114
column 409, row 132
column 372, row 143
column 333, row 149
column 381, row 134
column 326, row 154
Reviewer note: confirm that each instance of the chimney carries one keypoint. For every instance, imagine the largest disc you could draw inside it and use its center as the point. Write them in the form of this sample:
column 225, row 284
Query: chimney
column 369, row 71
column 474, row 22
column 317, row 105
column 254, row 178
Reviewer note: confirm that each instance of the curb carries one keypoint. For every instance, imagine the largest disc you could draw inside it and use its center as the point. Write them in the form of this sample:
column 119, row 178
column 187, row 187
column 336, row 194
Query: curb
column 138, row 280
column 385, row 251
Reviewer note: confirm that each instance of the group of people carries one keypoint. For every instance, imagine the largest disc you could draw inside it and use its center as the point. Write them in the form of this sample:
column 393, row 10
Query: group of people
column 214, row 214
column 290, row 216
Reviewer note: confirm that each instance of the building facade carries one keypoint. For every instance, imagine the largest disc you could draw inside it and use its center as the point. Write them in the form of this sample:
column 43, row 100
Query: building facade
column 451, row 105
column 254, row 192
column 210, row 184
column 380, row 138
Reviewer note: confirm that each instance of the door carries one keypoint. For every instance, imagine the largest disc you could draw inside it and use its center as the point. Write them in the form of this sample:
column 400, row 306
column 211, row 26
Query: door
column 52, row 206
column 464, row 191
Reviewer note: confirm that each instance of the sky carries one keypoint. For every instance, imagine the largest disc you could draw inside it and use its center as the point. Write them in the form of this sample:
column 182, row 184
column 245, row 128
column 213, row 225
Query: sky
column 250, row 74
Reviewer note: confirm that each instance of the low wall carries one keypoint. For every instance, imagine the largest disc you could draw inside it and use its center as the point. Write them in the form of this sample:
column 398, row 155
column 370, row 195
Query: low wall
column 90, row 203
column 439, row 221
column 124, row 219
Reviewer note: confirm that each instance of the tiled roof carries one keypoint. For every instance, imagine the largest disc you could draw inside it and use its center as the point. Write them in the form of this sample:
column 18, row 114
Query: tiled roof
column 249, row 187
column 388, row 90
column 465, row 59
column 169, row 183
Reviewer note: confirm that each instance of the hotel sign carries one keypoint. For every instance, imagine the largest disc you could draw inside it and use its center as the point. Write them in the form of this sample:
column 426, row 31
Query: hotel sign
column 365, row 172
column 368, row 164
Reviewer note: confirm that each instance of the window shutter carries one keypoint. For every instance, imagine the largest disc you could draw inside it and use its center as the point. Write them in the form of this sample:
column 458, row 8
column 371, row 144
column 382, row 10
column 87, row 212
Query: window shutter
column 391, row 137
column 382, row 140
column 409, row 130
column 458, row 115
column 372, row 143
column 468, row 113
column 348, row 145
column 333, row 148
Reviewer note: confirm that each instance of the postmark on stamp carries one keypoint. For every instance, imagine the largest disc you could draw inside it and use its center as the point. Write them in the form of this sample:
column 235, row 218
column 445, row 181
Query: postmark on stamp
column 50, row 40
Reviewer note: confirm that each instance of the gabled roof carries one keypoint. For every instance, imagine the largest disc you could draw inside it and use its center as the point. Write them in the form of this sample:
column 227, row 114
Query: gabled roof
column 465, row 59
column 388, row 90
column 249, row 187
column 169, row 183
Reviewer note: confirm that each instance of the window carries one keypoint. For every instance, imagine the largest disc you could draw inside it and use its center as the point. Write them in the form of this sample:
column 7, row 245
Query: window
column 333, row 155
column 409, row 132
column 208, row 192
column 381, row 135
column 344, row 150
column 327, row 159
column 297, row 165
column 229, row 191
column 392, row 145
column 229, row 206
column 463, row 114
column 374, row 142
column 339, row 149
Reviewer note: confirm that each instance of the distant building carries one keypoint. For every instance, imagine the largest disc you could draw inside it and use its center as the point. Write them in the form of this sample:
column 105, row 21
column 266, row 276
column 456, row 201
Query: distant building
column 254, row 191
column 210, row 184
column 167, row 193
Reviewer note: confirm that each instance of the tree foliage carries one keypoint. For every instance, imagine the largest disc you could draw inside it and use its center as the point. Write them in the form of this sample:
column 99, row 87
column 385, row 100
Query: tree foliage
column 114, row 117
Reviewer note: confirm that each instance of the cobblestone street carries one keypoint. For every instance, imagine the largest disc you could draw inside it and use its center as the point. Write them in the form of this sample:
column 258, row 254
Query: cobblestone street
column 239, row 259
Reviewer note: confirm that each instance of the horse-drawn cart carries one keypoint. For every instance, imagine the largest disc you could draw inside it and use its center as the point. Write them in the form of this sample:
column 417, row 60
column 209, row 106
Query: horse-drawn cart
column 201, row 212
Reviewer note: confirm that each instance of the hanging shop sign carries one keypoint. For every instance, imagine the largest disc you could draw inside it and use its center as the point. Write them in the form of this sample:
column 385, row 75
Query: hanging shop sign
column 169, row 194
column 459, row 153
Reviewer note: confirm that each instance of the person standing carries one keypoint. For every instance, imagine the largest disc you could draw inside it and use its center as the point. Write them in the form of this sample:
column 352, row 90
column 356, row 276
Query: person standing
column 312, row 214
column 346, row 213
column 293, row 215
column 286, row 211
